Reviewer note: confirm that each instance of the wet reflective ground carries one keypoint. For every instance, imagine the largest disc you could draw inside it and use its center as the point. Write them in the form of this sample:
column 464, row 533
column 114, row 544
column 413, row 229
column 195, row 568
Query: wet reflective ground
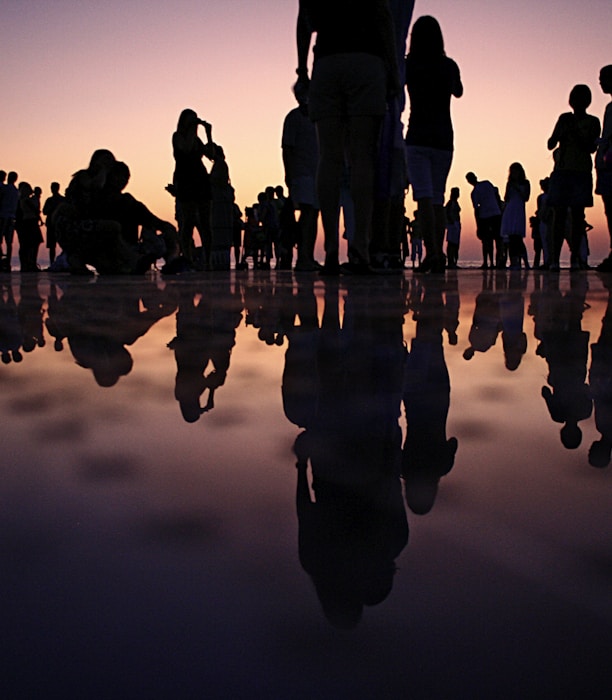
column 259, row 485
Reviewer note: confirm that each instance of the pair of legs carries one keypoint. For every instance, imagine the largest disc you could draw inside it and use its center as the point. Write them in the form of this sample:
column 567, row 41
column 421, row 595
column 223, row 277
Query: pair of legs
column 353, row 139
column 195, row 215
column 577, row 230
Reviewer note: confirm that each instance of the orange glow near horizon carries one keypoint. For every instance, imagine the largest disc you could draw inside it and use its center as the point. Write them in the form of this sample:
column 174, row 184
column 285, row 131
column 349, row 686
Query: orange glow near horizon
column 78, row 77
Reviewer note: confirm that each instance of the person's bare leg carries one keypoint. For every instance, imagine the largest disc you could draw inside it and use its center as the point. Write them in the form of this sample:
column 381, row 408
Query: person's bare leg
column 331, row 133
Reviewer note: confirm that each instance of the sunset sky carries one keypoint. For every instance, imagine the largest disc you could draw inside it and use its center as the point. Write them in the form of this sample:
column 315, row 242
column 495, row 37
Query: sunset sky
column 79, row 75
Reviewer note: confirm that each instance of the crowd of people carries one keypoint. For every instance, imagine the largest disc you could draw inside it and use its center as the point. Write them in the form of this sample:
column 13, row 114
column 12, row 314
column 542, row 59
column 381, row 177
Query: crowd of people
column 347, row 159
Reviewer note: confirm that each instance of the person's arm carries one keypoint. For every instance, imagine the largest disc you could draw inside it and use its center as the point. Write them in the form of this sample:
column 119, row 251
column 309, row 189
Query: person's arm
column 304, row 32
column 556, row 135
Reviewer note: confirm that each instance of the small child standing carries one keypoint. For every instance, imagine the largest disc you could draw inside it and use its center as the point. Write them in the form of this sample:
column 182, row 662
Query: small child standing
column 452, row 212
column 513, row 225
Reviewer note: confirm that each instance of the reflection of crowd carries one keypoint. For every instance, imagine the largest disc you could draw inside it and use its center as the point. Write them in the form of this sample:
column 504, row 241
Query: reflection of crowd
column 372, row 409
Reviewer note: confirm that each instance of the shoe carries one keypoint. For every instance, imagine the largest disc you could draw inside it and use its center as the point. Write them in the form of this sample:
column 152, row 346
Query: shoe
column 355, row 267
column 306, row 266
column 176, row 266
column 331, row 267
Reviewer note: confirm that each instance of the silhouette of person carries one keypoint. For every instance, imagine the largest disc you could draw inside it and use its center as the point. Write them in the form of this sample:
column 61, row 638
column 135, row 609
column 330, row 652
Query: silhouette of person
column 487, row 212
column 99, row 327
column 8, row 212
column 191, row 184
column 565, row 347
column 603, row 161
column 49, row 207
column 30, row 310
column 300, row 159
column 354, row 67
column 427, row 454
column 511, row 314
column 452, row 212
column 575, row 138
column 391, row 173
column 486, row 322
column 432, row 79
column 139, row 226
column 343, row 386
column 513, row 223
column 223, row 197
column 600, row 382
column 11, row 335
column 28, row 228
column 205, row 335
column 545, row 217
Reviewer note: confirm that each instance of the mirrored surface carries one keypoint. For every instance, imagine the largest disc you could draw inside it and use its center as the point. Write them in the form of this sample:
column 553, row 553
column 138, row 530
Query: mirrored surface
column 269, row 485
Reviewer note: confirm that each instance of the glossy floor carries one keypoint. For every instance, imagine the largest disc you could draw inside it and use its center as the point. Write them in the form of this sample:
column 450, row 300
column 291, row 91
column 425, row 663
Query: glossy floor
column 446, row 532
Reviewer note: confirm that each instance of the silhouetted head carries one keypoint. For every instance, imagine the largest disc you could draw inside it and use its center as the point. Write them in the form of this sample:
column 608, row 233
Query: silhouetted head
column 55, row 187
column 454, row 193
column 605, row 79
column 118, row 176
column 599, row 453
column 516, row 172
column 426, row 39
column 12, row 177
column 188, row 119
column 102, row 159
column 580, row 98
column 300, row 90
column 2, row 175
column 545, row 184
column 571, row 436
column 25, row 189
column 471, row 178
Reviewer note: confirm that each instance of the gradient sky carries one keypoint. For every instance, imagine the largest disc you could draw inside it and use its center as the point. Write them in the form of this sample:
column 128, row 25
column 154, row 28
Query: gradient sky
column 79, row 75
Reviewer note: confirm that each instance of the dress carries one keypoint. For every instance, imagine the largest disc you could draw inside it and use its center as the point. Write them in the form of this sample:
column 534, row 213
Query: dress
column 513, row 219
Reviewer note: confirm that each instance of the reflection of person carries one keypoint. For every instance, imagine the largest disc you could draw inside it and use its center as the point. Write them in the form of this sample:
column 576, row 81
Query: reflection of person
column 486, row 322
column 343, row 386
column 205, row 335
column 354, row 66
column 600, row 381
column 432, row 79
column 427, row 453
column 575, row 138
column 98, row 327
column 565, row 347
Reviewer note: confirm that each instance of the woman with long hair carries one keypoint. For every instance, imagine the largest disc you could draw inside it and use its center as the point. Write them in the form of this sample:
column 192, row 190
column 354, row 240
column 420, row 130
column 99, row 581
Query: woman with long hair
column 191, row 184
column 432, row 79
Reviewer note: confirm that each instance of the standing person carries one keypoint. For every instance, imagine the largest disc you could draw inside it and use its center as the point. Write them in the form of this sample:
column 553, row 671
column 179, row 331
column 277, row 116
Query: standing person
column 574, row 140
column 391, row 174
column 545, row 217
column 603, row 161
column 191, row 184
column 452, row 212
column 300, row 159
column 8, row 212
column 354, row 69
column 514, row 223
column 50, row 205
column 28, row 228
column 432, row 79
column 487, row 212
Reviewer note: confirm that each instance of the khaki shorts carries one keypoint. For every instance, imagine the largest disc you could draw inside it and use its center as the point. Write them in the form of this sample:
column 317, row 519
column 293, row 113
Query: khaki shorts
column 348, row 85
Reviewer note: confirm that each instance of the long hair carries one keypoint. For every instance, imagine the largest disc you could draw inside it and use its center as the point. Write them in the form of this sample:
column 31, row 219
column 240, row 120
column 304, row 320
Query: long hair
column 186, row 119
column 426, row 40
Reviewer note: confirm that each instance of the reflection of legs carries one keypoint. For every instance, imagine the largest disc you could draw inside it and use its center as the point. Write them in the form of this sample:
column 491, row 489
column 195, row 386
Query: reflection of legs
column 362, row 141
